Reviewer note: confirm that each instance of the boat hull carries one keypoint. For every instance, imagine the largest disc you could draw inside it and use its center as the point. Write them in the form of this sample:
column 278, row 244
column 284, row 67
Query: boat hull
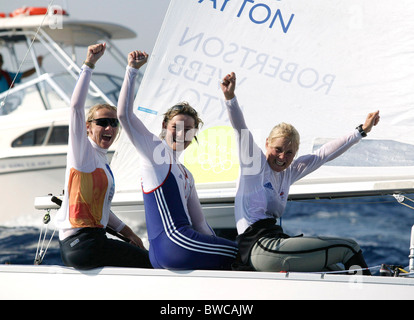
column 24, row 179
column 30, row 282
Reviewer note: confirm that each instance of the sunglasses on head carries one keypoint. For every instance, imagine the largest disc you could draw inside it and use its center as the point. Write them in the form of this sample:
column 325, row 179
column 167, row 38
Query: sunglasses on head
column 105, row 122
column 180, row 107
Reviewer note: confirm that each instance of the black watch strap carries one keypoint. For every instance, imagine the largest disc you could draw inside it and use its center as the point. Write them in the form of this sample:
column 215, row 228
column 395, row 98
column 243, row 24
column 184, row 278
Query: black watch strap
column 361, row 131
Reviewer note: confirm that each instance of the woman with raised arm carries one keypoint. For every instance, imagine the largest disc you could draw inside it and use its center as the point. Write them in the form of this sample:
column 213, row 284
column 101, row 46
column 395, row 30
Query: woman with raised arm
column 179, row 235
column 90, row 186
column 263, row 192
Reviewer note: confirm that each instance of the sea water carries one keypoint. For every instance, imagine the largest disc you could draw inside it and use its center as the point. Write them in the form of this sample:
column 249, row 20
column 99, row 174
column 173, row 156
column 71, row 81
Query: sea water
column 380, row 225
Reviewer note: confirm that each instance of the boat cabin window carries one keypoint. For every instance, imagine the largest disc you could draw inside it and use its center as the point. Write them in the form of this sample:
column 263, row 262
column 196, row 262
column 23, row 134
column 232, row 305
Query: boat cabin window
column 31, row 138
column 37, row 137
column 59, row 136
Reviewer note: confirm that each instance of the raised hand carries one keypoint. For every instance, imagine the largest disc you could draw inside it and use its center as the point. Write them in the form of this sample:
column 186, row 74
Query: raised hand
column 95, row 52
column 371, row 121
column 228, row 86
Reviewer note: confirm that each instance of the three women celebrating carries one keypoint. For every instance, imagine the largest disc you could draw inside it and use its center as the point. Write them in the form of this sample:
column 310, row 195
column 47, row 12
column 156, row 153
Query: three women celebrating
column 179, row 235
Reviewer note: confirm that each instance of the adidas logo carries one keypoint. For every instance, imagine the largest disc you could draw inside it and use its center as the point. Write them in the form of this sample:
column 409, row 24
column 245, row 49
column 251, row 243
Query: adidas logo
column 269, row 186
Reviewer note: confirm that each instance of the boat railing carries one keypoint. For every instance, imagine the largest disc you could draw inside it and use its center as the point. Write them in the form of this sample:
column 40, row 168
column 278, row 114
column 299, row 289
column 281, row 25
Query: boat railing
column 112, row 49
column 11, row 100
column 53, row 91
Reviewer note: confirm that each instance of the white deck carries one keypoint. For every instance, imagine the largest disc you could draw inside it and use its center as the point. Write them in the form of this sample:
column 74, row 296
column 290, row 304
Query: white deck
column 31, row 282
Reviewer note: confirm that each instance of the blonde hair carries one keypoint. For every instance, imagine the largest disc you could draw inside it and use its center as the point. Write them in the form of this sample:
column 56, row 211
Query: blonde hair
column 97, row 107
column 181, row 108
column 285, row 130
column 92, row 110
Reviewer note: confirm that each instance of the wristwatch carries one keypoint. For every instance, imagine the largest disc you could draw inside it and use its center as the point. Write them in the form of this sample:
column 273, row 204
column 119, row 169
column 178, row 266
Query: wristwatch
column 361, row 131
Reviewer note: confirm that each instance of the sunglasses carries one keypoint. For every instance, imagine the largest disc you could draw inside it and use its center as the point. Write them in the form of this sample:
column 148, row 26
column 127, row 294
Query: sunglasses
column 179, row 107
column 105, row 122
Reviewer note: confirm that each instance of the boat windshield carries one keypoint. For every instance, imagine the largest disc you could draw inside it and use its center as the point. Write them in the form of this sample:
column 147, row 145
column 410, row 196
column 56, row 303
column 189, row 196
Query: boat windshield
column 53, row 91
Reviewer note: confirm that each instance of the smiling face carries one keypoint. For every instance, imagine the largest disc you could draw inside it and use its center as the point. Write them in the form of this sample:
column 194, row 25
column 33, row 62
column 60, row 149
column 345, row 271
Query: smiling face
column 280, row 153
column 180, row 126
column 103, row 135
column 281, row 146
column 180, row 131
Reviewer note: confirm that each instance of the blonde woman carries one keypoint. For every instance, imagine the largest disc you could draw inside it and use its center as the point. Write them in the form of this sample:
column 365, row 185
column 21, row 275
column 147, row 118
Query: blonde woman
column 263, row 192
column 90, row 185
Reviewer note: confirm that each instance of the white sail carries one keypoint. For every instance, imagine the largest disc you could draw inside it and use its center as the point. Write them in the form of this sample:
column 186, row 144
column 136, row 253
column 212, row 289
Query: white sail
column 321, row 66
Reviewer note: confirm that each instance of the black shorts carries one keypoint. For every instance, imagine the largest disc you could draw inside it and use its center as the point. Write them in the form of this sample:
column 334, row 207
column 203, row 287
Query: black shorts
column 89, row 248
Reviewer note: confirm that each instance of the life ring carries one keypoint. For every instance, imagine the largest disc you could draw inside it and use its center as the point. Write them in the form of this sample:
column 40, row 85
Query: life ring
column 29, row 11
column 3, row 15
column 36, row 11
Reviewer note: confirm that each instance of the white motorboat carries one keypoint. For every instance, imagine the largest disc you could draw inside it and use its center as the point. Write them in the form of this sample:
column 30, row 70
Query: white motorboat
column 34, row 114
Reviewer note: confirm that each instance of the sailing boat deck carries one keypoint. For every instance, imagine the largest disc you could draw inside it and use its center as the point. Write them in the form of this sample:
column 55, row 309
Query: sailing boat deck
column 29, row 282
